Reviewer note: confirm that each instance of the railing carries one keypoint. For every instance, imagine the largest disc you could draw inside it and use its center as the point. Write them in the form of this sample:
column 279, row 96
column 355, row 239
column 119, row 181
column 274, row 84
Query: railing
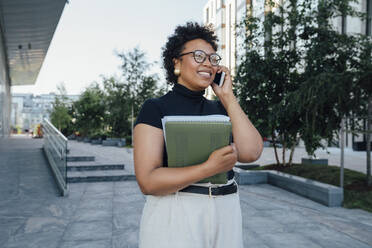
column 55, row 148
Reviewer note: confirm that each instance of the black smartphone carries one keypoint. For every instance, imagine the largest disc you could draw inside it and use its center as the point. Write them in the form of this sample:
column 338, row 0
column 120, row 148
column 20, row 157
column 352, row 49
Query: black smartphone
column 219, row 78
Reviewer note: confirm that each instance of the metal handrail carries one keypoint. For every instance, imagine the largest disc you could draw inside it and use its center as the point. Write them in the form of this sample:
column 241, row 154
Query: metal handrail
column 55, row 148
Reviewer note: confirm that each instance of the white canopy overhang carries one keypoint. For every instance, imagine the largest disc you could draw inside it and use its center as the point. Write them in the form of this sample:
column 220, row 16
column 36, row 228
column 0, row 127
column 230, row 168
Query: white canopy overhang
column 27, row 28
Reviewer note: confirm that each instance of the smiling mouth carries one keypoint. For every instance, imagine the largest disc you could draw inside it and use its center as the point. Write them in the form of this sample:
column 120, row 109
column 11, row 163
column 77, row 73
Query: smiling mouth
column 205, row 74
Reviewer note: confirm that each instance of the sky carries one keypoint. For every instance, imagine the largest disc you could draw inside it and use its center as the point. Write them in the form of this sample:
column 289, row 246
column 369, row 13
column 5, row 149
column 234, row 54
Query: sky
column 90, row 31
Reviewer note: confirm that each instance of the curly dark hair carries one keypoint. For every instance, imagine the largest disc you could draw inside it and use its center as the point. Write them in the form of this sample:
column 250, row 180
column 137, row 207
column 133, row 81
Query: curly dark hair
column 176, row 44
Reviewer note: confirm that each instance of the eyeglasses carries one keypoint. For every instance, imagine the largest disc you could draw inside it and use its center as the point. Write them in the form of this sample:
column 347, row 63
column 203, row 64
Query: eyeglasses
column 200, row 56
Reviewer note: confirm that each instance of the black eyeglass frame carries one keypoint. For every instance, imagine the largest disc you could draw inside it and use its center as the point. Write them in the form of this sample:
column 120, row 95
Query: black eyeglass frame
column 205, row 57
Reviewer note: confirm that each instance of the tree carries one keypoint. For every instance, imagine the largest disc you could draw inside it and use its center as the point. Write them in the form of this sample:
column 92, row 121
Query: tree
column 364, row 81
column 328, row 92
column 139, row 84
column 297, row 76
column 59, row 115
column 118, row 107
column 268, row 71
column 90, row 110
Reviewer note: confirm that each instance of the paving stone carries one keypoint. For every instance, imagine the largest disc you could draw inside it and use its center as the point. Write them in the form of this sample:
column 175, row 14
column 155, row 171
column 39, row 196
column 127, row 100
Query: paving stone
column 288, row 240
column 59, row 207
column 353, row 229
column 48, row 239
column 97, row 195
column 128, row 209
column 263, row 225
column 86, row 244
column 107, row 214
column 92, row 215
column 326, row 237
column 93, row 230
column 128, row 238
column 133, row 198
column 98, row 203
column 126, row 188
column 252, row 239
column 42, row 224
column 126, row 221
column 9, row 226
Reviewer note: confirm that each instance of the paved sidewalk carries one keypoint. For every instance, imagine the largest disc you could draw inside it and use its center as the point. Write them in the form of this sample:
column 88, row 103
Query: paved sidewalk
column 101, row 215
column 352, row 160
column 104, row 154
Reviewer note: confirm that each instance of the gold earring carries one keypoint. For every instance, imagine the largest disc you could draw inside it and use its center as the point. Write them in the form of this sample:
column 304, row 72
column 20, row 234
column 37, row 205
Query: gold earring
column 177, row 71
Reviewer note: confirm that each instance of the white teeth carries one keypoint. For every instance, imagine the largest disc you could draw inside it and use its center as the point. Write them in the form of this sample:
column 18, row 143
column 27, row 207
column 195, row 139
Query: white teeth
column 204, row 73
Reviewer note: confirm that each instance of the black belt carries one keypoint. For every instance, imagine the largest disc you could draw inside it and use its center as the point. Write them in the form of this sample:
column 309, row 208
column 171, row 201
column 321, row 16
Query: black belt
column 223, row 190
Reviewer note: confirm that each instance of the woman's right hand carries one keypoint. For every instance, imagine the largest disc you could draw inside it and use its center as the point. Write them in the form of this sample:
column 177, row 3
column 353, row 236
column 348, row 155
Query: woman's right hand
column 223, row 159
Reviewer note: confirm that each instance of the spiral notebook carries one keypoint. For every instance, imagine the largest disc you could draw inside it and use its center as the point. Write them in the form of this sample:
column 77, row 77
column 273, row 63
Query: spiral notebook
column 191, row 139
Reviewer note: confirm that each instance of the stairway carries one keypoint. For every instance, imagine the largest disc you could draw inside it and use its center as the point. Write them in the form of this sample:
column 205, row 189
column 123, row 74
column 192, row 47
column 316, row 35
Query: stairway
column 84, row 168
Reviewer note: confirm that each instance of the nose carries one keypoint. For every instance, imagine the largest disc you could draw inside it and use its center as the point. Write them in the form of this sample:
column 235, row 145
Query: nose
column 207, row 62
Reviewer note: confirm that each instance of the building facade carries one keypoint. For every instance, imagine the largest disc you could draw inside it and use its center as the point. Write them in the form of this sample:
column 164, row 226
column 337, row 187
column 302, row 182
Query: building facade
column 28, row 110
column 26, row 30
column 224, row 15
column 5, row 99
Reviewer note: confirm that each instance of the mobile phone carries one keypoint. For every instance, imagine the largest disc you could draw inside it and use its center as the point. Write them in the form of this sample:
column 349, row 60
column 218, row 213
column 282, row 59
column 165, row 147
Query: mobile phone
column 219, row 78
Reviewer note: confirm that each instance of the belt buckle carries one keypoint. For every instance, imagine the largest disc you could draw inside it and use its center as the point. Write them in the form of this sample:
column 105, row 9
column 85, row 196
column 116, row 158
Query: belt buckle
column 210, row 192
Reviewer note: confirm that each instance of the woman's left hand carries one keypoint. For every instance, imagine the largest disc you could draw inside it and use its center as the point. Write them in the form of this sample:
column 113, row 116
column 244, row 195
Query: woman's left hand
column 247, row 139
column 224, row 93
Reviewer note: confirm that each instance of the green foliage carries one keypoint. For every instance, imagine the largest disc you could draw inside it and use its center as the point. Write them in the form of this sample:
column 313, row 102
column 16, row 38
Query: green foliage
column 269, row 72
column 107, row 112
column 138, row 84
column 118, row 105
column 364, row 64
column 59, row 115
column 298, row 76
column 90, row 111
column 330, row 91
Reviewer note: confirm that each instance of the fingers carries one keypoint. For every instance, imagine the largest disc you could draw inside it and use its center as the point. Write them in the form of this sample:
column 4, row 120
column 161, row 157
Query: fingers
column 232, row 154
column 225, row 150
column 224, row 158
column 234, row 147
column 228, row 149
column 224, row 69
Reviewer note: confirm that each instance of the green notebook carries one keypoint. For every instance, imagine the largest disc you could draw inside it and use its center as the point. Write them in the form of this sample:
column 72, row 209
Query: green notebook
column 191, row 139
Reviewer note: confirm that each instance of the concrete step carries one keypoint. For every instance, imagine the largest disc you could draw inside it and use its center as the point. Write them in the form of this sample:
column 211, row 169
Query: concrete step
column 99, row 176
column 93, row 165
column 72, row 158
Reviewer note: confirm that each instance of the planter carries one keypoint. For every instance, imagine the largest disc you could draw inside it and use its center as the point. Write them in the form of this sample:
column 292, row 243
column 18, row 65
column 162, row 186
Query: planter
column 109, row 142
column 71, row 137
column 79, row 138
column 247, row 166
column 121, row 143
column 86, row 140
column 326, row 194
column 267, row 144
column 360, row 146
column 311, row 161
column 96, row 141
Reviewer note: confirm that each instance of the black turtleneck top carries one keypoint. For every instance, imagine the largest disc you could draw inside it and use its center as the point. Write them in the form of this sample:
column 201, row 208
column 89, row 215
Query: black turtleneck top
column 179, row 101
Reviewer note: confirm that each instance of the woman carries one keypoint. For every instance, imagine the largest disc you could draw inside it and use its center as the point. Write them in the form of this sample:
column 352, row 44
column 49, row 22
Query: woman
column 177, row 212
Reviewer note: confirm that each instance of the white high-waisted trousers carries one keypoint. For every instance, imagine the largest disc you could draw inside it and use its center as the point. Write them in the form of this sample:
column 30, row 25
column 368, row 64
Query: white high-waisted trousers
column 191, row 221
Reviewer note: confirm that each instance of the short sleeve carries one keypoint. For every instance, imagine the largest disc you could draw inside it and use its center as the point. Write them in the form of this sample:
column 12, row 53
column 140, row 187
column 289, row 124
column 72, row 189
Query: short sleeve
column 150, row 114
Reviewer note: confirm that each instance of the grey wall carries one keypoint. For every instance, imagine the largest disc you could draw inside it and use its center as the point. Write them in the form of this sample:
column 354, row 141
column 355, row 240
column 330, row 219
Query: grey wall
column 5, row 96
